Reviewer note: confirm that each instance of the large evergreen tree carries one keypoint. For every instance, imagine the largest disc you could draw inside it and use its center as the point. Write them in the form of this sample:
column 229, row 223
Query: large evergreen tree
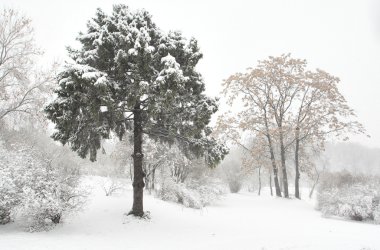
column 129, row 75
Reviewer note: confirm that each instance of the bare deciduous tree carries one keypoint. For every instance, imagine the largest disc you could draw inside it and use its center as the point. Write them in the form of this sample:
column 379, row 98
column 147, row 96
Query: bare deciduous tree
column 22, row 87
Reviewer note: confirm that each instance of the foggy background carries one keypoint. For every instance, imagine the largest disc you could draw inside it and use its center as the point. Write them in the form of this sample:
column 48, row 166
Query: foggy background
column 341, row 37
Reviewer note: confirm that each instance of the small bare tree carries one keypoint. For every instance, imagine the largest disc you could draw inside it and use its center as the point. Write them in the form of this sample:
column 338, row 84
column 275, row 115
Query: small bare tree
column 316, row 174
column 111, row 185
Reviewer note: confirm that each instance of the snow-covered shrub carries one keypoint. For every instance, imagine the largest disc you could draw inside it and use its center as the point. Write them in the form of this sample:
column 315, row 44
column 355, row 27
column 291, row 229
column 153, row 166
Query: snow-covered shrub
column 177, row 192
column 9, row 195
column 48, row 194
column 10, row 184
column 354, row 202
column 349, row 196
column 41, row 184
column 111, row 185
column 376, row 214
column 193, row 194
column 235, row 185
column 210, row 190
column 232, row 171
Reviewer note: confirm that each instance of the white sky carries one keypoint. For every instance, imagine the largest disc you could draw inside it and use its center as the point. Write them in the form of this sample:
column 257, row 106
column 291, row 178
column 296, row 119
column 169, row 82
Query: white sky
column 341, row 37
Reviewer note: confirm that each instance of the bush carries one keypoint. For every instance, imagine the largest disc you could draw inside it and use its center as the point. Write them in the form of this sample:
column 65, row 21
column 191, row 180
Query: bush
column 48, row 195
column 376, row 214
column 111, row 185
column 210, row 190
column 39, row 183
column 177, row 192
column 235, row 185
column 349, row 196
column 10, row 184
column 354, row 202
column 9, row 196
column 193, row 194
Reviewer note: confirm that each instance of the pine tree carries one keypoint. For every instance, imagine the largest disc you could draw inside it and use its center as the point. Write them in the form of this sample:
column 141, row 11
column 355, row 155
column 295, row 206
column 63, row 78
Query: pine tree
column 129, row 75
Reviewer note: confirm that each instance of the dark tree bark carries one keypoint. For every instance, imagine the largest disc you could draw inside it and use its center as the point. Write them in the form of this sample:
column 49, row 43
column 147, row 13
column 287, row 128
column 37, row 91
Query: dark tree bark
column 138, row 173
column 272, row 158
column 270, row 183
column 150, row 178
column 297, row 180
column 259, row 180
column 275, row 170
column 281, row 180
column 283, row 165
column 153, row 179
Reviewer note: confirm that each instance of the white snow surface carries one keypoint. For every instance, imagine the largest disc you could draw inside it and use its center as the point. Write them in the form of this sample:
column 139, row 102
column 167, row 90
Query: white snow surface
column 238, row 221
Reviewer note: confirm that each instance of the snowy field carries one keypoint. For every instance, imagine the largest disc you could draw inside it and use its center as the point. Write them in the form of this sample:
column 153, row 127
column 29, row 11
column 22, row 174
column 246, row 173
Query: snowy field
column 238, row 221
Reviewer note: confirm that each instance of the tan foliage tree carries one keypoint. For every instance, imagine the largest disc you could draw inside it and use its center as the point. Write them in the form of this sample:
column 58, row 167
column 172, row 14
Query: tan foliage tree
column 288, row 105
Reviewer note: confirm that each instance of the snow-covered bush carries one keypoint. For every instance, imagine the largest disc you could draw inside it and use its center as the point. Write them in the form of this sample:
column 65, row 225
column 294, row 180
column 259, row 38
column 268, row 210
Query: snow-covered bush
column 111, row 185
column 194, row 194
column 48, row 194
column 41, row 182
column 179, row 193
column 10, row 184
column 9, row 195
column 376, row 214
column 354, row 202
column 232, row 171
column 210, row 190
column 349, row 196
column 235, row 185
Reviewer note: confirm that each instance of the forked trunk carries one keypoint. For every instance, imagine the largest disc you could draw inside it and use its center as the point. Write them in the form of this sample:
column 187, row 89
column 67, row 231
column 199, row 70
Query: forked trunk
column 283, row 165
column 272, row 158
column 275, row 170
column 314, row 185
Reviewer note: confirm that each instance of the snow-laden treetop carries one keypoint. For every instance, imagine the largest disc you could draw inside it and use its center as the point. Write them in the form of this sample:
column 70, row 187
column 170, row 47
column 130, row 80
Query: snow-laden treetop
column 126, row 64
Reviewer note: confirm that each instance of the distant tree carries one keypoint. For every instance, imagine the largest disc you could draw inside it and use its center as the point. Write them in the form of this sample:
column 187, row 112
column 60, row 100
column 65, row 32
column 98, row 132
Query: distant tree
column 131, row 76
column 232, row 170
column 257, row 160
column 292, row 107
column 319, row 112
column 317, row 172
column 157, row 155
column 266, row 93
column 23, row 89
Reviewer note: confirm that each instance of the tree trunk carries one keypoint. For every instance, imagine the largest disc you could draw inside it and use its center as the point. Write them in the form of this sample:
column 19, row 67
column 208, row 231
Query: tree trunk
column 281, row 181
column 272, row 158
column 138, row 173
column 275, row 171
column 259, row 180
column 270, row 183
column 314, row 185
column 283, row 165
column 297, row 180
column 153, row 178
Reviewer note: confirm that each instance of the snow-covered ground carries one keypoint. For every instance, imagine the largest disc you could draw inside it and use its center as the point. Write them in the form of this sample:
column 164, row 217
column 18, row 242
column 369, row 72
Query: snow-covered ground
column 239, row 221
